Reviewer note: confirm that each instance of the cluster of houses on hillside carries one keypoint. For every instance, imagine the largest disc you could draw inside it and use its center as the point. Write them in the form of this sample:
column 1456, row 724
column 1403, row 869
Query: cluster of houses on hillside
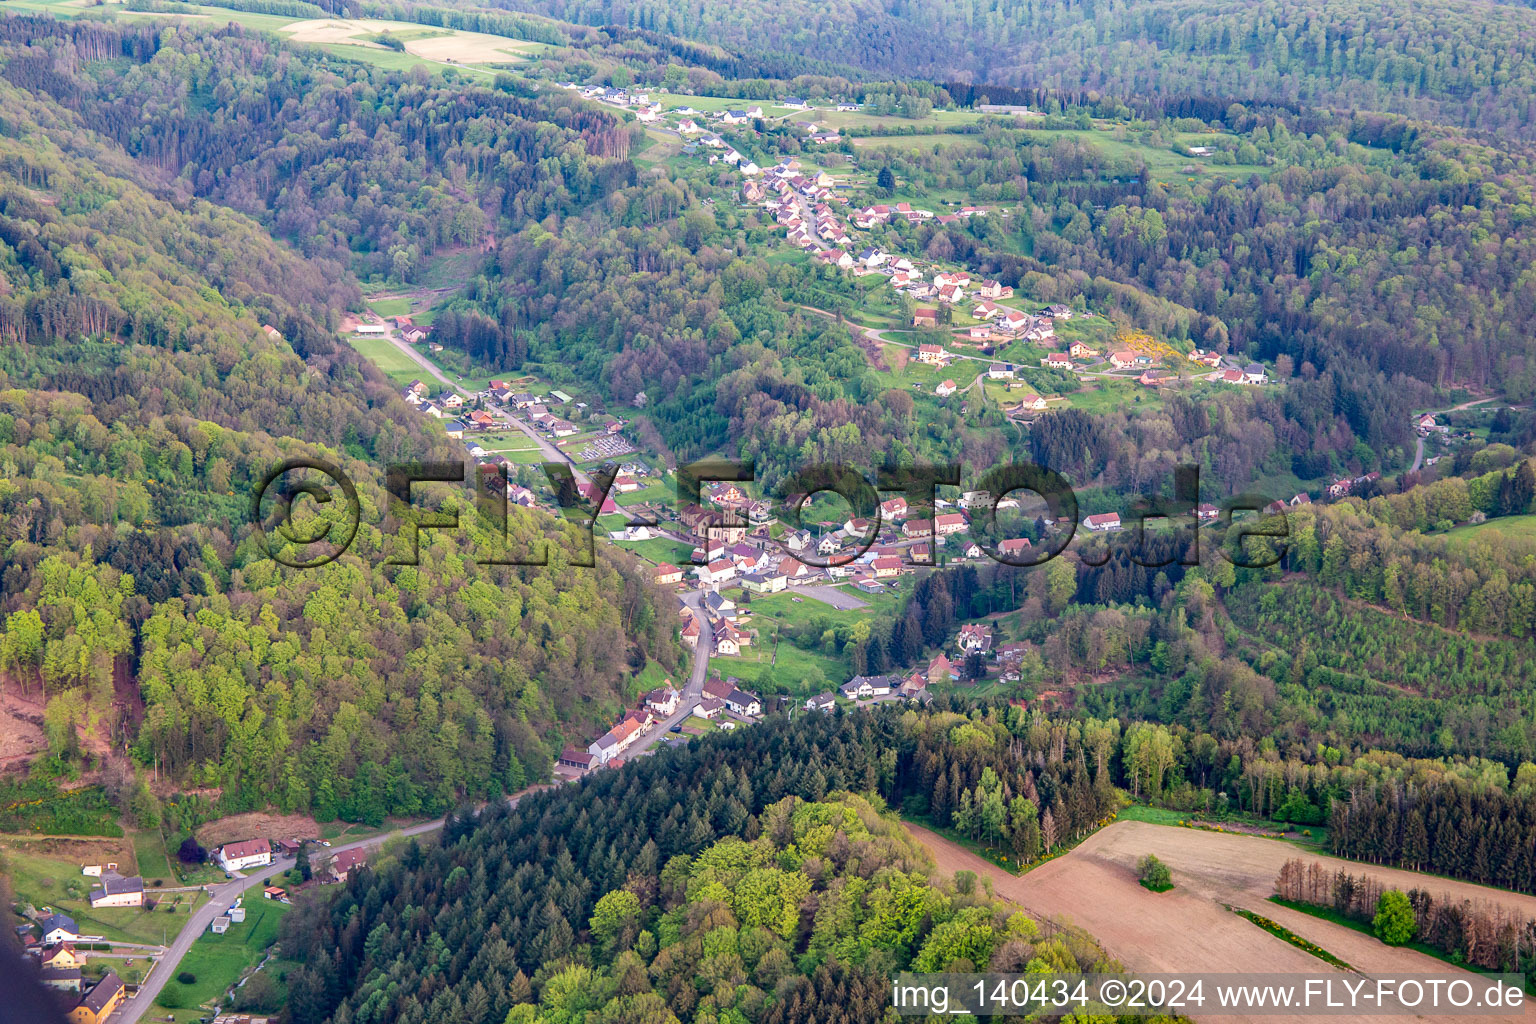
column 609, row 749
column 612, row 748
column 59, row 960
column 536, row 409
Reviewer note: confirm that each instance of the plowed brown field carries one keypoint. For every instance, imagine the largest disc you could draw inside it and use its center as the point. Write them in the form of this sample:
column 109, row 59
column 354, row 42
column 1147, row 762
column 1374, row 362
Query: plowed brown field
column 1188, row 929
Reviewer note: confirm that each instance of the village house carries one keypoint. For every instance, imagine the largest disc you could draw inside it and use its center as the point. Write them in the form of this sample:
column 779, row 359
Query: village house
column 941, row 671
column 974, row 638
column 823, row 702
column 1079, row 350
column 1230, row 377
column 615, row 741
column 886, row 567
column 742, row 703
column 1056, row 361
column 1031, row 403
column 1155, row 378
column 1122, row 360
column 251, row 853
column 795, row 571
column 1205, row 512
column 925, row 316
column 917, row 528
column 865, row 687
column 340, row 868
column 61, row 955
column 1000, row 371
column 945, row 389
column 1253, row 373
column 667, row 574
column 994, row 290
column 100, row 1002
column 727, row 639
column 1014, row 321
column 59, row 928
column 764, row 582
column 835, row 257
column 663, row 700
column 709, row 707
column 933, row 355
column 577, row 760
column 980, row 332
column 948, row 523
column 117, row 891
column 893, row 508
column 61, row 979
column 1104, row 522
column 1013, row 547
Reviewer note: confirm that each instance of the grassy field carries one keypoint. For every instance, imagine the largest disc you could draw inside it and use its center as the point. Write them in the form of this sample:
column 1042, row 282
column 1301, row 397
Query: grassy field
column 391, row 307
column 218, row 961
column 149, row 853
column 1494, row 531
column 939, row 119
column 796, row 671
column 381, row 352
column 659, row 550
column 1106, row 394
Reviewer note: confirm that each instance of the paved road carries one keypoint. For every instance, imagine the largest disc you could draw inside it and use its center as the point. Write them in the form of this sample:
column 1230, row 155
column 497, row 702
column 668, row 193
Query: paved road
column 693, row 690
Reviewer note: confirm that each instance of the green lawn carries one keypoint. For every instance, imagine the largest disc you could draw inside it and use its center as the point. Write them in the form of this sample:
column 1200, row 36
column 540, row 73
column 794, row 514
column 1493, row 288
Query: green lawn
column 798, row 672
column 218, row 961
column 149, row 852
column 660, row 549
column 506, row 441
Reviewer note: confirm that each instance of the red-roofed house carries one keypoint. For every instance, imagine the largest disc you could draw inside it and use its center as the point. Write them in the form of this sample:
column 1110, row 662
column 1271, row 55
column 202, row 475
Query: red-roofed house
column 247, row 854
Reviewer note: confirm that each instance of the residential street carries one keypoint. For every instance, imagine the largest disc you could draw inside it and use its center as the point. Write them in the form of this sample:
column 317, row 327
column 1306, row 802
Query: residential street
column 549, row 450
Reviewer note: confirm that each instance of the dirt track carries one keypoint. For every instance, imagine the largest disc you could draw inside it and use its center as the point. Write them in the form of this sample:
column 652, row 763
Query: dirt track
column 1188, row 928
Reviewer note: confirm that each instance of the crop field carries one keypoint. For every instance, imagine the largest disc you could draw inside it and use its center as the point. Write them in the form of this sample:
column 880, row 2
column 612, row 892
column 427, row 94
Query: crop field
column 1189, row 928
column 421, row 41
